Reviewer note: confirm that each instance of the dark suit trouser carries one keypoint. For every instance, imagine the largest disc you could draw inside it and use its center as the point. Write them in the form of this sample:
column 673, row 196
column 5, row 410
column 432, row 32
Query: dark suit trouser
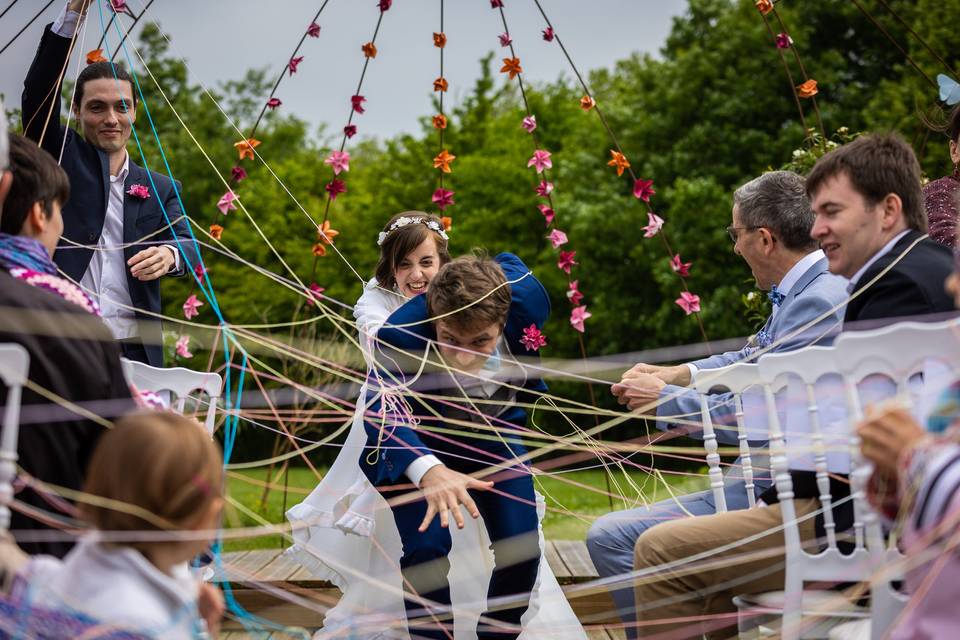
column 510, row 515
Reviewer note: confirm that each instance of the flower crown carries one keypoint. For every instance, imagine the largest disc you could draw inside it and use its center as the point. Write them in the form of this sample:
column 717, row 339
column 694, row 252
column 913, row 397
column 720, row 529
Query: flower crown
column 403, row 221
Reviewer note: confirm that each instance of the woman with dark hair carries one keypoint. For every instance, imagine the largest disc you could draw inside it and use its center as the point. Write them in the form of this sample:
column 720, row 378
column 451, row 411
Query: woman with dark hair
column 940, row 196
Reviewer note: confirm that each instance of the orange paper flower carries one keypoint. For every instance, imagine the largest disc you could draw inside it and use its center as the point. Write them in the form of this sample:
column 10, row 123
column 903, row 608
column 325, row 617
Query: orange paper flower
column 95, row 56
column 369, row 50
column 216, row 231
column 440, row 40
column 512, row 67
column 319, row 250
column 764, row 6
column 587, row 103
column 246, row 147
column 808, row 89
column 440, row 121
column 443, row 160
column 440, row 84
column 325, row 234
column 619, row 161
column 447, row 223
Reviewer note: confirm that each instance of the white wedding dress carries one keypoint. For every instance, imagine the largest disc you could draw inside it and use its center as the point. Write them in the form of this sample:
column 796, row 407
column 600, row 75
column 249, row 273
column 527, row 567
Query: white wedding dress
column 345, row 533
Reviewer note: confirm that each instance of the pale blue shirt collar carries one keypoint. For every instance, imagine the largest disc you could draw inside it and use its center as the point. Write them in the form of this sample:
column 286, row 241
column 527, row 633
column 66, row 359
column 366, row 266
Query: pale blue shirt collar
column 869, row 263
column 796, row 271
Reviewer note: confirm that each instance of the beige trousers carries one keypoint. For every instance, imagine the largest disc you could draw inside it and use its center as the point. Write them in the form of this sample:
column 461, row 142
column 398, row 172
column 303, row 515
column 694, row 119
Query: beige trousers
column 695, row 597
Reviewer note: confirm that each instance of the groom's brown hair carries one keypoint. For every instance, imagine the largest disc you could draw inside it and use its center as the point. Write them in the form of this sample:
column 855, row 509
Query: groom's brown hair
column 469, row 292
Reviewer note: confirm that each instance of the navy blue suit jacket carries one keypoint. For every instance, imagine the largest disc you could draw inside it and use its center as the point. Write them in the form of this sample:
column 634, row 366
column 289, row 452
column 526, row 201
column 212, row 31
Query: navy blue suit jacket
column 399, row 444
column 89, row 172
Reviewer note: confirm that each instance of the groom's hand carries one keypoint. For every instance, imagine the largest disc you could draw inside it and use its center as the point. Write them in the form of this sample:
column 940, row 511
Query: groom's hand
column 445, row 490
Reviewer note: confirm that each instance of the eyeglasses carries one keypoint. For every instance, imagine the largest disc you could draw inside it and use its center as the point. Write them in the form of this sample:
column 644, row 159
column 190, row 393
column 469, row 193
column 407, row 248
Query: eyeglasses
column 734, row 232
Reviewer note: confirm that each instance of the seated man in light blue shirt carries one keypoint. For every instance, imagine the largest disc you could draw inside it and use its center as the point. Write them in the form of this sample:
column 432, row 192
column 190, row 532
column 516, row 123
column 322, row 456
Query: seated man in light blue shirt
column 771, row 226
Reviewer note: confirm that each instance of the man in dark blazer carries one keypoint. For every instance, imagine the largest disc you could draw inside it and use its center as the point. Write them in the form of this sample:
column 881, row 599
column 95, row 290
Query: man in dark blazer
column 123, row 226
column 871, row 225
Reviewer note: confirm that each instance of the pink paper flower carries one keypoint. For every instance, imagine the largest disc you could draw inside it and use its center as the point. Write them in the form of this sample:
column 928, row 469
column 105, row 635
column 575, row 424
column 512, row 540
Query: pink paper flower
column 273, row 103
column 313, row 30
column 544, row 188
column 335, row 187
column 314, row 294
column 682, row 268
column 238, row 173
column 548, row 34
column 689, row 302
column 201, row 272
column 350, row 130
column 294, row 62
column 183, row 347
column 573, row 293
column 548, row 213
column 654, row 223
column 339, row 160
column 356, row 102
column 643, row 189
column 442, row 198
column 225, row 203
column 557, row 238
column 138, row 191
column 577, row 317
column 784, row 41
column 533, row 338
column 118, row 5
column 505, row 39
column 496, row 4
column 530, row 124
column 384, row 4
column 190, row 307
column 540, row 160
column 566, row 261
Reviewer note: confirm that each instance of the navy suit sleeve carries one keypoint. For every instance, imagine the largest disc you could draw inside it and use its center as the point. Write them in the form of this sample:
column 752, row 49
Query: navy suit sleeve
column 177, row 232
column 894, row 295
column 40, row 101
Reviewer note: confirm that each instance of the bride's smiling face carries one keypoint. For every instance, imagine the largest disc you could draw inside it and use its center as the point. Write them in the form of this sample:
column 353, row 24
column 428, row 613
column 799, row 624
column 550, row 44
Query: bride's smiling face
column 415, row 271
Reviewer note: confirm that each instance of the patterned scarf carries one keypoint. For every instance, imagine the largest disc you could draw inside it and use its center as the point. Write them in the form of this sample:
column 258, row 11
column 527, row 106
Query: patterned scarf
column 25, row 253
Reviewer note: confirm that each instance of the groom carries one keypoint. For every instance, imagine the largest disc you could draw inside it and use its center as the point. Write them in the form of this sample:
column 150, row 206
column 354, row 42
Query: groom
column 461, row 423
column 770, row 230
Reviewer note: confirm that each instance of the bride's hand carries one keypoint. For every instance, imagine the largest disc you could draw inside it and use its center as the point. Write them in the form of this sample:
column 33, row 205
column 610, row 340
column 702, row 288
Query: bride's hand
column 445, row 490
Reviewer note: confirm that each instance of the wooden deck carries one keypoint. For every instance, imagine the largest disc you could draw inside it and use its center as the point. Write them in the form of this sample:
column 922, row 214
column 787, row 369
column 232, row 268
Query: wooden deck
column 271, row 570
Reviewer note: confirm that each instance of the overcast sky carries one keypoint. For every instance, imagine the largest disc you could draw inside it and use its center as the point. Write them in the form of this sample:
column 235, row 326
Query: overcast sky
column 220, row 40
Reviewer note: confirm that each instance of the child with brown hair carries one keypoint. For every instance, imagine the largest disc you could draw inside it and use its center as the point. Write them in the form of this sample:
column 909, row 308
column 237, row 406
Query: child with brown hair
column 153, row 472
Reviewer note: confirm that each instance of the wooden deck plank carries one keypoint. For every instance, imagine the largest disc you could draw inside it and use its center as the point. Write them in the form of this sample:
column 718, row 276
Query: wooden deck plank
column 280, row 569
column 617, row 634
column 246, row 567
column 560, row 569
column 598, row 634
column 575, row 555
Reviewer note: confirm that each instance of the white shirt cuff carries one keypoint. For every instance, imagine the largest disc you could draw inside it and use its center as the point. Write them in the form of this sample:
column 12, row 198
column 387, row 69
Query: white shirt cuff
column 693, row 370
column 419, row 467
column 176, row 258
column 66, row 23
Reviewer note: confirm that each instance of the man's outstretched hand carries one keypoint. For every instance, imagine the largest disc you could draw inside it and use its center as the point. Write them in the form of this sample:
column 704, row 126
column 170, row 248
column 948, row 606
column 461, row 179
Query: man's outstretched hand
column 445, row 490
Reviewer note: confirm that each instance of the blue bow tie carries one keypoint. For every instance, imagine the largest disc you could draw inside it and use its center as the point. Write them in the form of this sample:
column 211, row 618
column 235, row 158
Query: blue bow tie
column 775, row 296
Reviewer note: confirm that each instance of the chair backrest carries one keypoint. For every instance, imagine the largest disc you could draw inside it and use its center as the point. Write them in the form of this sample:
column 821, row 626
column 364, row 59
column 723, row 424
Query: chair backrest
column 180, row 382
column 14, row 368
column 896, row 353
column 736, row 380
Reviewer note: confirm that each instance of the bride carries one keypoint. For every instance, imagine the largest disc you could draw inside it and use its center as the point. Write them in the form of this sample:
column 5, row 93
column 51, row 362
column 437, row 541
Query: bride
column 345, row 531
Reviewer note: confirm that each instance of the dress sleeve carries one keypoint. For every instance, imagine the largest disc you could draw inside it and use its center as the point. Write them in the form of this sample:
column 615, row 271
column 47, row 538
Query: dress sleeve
column 371, row 312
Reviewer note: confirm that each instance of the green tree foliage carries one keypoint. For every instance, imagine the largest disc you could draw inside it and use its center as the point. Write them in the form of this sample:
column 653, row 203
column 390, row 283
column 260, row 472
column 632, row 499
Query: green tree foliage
column 713, row 110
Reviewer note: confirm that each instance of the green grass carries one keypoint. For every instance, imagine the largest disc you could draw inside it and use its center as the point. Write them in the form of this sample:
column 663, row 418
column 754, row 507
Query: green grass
column 574, row 499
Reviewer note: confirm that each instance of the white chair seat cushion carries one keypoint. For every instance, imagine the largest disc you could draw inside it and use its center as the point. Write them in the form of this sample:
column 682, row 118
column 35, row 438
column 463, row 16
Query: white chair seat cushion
column 854, row 630
column 816, row 602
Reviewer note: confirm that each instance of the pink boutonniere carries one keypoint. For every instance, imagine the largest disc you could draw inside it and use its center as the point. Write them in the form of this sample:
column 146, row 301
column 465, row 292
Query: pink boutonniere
column 138, row 191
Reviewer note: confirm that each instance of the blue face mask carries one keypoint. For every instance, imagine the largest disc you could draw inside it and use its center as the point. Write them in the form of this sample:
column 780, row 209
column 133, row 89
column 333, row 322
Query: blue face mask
column 493, row 362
